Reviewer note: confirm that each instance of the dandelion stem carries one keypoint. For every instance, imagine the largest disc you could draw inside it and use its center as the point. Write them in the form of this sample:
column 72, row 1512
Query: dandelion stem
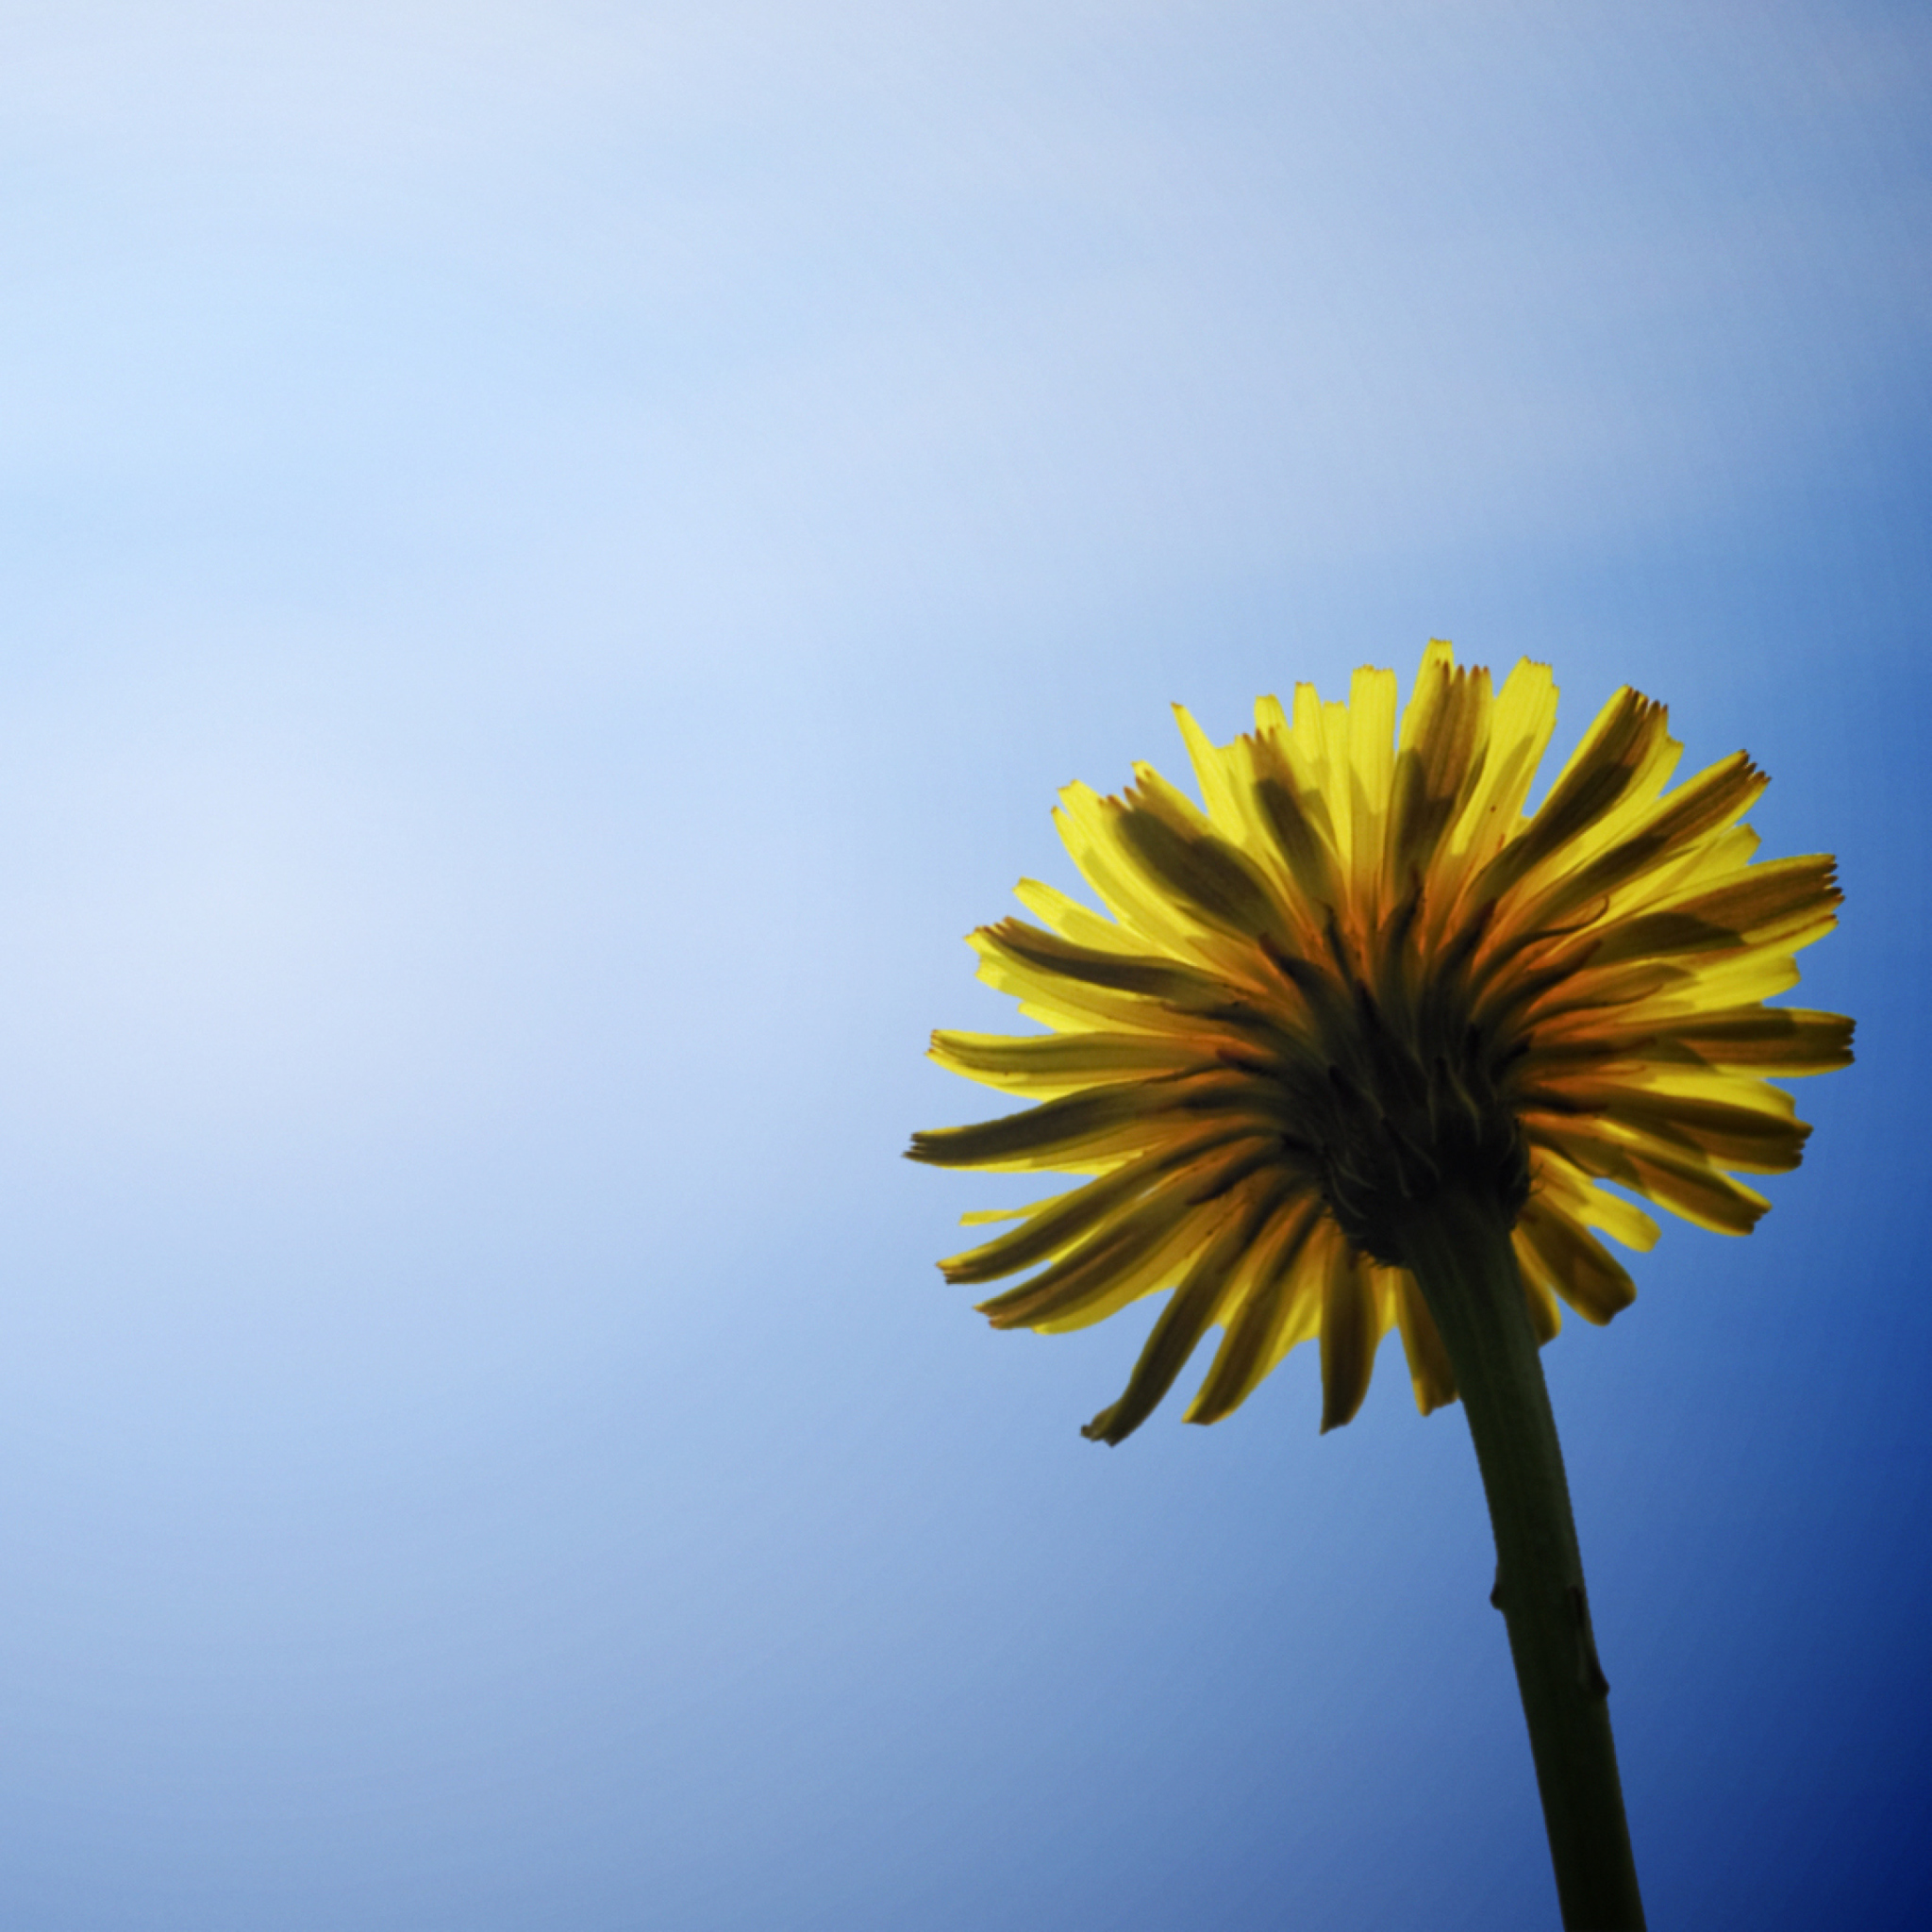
column 1459, row 1249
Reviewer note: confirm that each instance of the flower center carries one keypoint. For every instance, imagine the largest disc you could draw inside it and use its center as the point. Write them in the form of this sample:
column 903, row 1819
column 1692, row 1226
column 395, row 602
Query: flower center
column 1410, row 1117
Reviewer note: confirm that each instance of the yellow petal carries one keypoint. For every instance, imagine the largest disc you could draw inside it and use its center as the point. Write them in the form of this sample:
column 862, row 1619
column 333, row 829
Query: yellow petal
column 1681, row 1180
column 1339, row 787
column 1663, row 836
column 1622, row 763
column 1071, row 920
column 1202, row 873
column 1538, row 1291
column 1192, row 1311
column 1034, row 963
column 1371, row 764
column 1103, row 1123
column 1218, row 789
column 1063, row 1220
column 1132, row 1255
column 1771, row 1040
column 1444, row 744
column 1049, row 1063
column 1787, row 903
column 1302, row 836
column 1524, row 716
column 1277, row 1306
column 1580, row 1268
column 1349, row 1335
column 985, row 1217
column 1087, row 826
column 1587, row 1203
column 1429, row 1373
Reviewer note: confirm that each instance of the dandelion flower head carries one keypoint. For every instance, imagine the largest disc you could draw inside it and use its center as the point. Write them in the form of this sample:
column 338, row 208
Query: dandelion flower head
column 1362, row 976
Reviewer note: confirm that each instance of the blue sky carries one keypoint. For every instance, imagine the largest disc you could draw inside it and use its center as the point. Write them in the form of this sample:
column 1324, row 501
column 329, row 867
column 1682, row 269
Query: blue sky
column 554, row 560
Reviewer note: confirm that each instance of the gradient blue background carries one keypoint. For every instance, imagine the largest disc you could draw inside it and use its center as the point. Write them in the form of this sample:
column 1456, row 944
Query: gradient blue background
column 556, row 556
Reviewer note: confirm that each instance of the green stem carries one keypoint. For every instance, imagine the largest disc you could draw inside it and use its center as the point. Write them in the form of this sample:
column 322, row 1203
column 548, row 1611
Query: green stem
column 1460, row 1252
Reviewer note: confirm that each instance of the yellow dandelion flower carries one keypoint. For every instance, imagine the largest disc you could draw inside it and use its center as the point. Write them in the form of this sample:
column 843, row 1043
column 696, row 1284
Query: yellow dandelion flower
column 1355, row 1048
column 1362, row 976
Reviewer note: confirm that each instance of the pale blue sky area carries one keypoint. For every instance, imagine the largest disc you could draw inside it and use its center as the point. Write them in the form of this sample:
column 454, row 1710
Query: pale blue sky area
column 554, row 556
